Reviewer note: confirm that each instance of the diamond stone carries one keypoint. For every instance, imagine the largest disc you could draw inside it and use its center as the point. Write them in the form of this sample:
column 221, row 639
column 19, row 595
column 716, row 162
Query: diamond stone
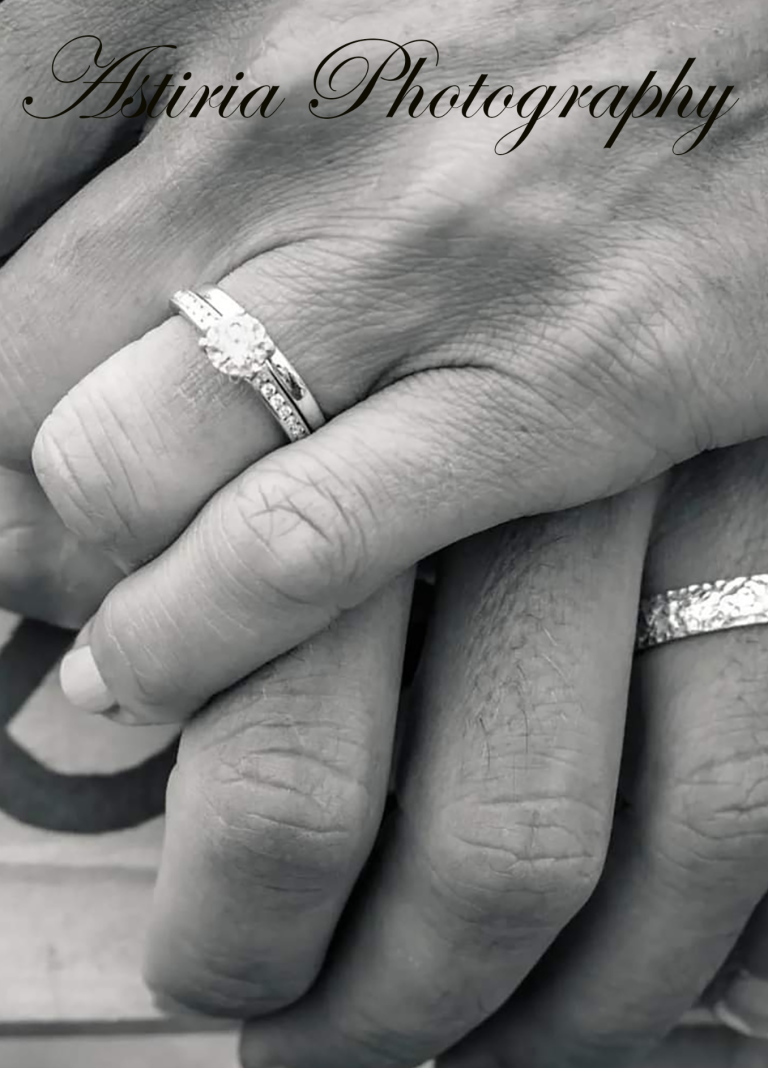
column 237, row 345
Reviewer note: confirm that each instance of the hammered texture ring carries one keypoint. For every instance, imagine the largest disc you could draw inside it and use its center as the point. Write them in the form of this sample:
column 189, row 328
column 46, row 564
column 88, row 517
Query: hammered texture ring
column 703, row 608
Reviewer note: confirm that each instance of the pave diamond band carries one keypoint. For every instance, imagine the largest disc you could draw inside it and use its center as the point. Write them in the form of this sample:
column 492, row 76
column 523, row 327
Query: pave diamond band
column 702, row 609
column 238, row 345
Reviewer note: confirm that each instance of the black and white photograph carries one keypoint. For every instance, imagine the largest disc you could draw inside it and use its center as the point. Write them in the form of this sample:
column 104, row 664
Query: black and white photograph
column 383, row 534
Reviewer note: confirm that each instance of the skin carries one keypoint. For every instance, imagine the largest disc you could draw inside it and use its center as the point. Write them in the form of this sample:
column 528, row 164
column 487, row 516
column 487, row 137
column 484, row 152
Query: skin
column 514, row 820
column 597, row 352
column 588, row 402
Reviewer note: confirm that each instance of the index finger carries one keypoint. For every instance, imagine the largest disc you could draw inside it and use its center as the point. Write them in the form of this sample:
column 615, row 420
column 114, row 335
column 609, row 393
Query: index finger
column 272, row 810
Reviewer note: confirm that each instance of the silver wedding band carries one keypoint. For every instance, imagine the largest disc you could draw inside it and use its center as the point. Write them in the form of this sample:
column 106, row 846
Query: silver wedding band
column 704, row 608
column 238, row 345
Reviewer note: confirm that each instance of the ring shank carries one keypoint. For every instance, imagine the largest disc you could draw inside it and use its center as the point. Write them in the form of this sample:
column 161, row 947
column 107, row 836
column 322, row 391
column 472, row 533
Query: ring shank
column 703, row 608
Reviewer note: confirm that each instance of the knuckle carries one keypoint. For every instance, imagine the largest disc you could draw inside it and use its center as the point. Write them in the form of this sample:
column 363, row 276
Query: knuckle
column 533, row 862
column 718, row 814
column 270, row 798
column 73, row 459
column 304, row 525
column 292, row 813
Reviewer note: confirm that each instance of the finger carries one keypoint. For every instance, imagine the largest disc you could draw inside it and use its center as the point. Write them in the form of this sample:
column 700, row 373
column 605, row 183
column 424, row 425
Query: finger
column 506, row 794
column 343, row 527
column 689, row 853
column 302, row 534
column 132, row 452
column 75, row 268
column 272, row 810
column 45, row 573
column 150, row 197
column 743, row 1004
column 477, row 406
column 135, row 450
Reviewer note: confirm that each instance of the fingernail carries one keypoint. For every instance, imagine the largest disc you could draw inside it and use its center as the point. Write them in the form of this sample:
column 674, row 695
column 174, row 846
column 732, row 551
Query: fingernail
column 744, row 1007
column 82, row 683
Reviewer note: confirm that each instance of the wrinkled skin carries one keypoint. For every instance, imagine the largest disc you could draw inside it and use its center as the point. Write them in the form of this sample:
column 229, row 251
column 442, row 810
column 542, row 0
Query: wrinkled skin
column 498, row 336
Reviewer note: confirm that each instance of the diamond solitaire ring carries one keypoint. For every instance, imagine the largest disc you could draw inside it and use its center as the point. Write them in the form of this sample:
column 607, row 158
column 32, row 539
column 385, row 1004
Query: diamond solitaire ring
column 702, row 609
column 238, row 345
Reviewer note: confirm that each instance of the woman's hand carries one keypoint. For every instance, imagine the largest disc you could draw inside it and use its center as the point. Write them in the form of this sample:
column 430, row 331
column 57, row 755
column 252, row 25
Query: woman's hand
column 528, row 332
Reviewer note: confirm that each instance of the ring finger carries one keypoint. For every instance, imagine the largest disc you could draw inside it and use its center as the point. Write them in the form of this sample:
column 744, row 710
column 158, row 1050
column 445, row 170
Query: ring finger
column 689, row 853
column 133, row 451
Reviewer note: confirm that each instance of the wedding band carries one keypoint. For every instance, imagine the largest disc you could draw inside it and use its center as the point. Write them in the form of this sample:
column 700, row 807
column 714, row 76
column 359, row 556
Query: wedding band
column 238, row 345
column 703, row 608
column 285, row 372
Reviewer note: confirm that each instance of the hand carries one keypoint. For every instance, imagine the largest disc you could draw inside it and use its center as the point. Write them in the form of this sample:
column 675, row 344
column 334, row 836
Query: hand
column 507, row 861
column 480, row 330
column 162, row 659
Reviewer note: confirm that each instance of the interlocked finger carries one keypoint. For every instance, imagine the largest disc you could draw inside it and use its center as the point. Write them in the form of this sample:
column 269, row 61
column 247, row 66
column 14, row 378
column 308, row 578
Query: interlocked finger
column 689, row 854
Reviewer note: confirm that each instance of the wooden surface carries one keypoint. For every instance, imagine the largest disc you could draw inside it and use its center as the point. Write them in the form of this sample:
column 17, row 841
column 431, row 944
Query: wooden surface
column 80, row 839
column 120, row 1051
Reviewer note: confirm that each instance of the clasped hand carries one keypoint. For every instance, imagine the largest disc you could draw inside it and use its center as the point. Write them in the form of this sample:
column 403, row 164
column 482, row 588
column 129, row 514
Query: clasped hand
column 550, row 333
